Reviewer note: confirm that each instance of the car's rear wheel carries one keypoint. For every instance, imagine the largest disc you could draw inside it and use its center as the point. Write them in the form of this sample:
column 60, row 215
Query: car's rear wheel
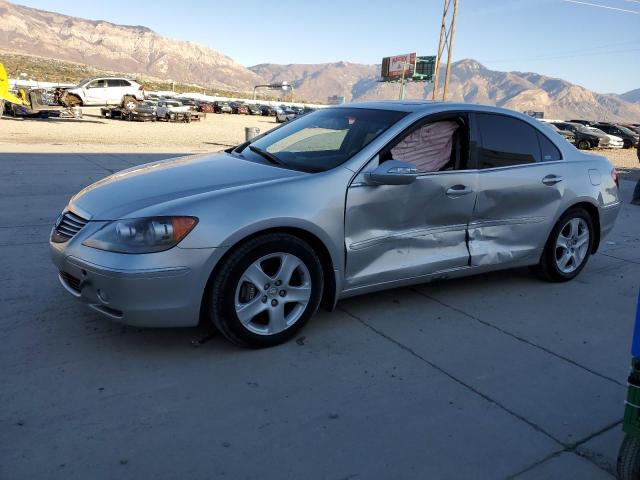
column 568, row 247
column 584, row 145
column 627, row 144
column 266, row 290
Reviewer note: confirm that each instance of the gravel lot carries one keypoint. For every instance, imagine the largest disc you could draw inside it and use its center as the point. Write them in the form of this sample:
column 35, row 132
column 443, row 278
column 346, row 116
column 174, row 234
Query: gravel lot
column 96, row 134
column 494, row 376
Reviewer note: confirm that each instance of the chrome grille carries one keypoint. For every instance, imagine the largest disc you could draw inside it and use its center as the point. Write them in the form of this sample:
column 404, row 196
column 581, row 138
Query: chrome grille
column 67, row 227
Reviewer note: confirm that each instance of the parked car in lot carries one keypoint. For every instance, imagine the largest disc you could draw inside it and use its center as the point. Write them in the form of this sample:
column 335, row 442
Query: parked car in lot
column 239, row 108
column 169, row 109
column 629, row 137
column 285, row 114
column 144, row 111
column 205, row 107
column 254, row 109
column 221, row 107
column 584, row 138
column 269, row 111
column 105, row 91
column 368, row 196
column 606, row 141
column 566, row 134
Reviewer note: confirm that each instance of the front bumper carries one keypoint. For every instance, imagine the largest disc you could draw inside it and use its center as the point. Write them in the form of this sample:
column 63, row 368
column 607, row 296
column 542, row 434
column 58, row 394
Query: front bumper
column 163, row 289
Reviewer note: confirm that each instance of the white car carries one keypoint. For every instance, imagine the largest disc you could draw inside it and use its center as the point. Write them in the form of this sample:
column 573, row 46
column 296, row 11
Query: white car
column 105, row 91
column 614, row 142
column 169, row 109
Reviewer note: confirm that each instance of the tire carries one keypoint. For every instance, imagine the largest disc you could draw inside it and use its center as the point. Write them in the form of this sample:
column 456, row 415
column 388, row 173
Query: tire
column 629, row 458
column 584, row 145
column 569, row 242
column 271, row 319
column 626, row 144
column 129, row 103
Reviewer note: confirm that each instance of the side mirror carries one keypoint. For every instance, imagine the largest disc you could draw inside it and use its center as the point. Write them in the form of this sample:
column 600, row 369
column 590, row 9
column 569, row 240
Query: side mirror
column 392, row 172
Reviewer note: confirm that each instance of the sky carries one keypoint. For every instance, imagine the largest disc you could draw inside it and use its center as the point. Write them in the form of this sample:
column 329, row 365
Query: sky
column 594, row 43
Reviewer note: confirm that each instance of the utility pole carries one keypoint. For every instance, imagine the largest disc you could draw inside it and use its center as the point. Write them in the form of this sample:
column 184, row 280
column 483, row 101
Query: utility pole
column 447, row 34
column 403, row 82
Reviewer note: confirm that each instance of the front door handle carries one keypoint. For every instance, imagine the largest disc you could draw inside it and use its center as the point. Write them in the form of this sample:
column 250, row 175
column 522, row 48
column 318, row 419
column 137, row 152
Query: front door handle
column 458, row 191
column 552, row 179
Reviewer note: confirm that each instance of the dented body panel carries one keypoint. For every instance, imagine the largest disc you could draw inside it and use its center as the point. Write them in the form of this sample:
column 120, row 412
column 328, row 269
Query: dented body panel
column 443, row 224
column 396, row 231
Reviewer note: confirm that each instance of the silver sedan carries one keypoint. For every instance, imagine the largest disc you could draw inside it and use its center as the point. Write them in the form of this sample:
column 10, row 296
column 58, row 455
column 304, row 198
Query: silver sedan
column 343, row 201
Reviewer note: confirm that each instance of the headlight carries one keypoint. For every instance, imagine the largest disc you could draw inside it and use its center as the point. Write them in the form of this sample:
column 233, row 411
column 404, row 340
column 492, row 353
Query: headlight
column 141, row 235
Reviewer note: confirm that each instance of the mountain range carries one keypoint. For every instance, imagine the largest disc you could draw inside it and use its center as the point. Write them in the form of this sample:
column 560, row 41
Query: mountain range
column 140, row 51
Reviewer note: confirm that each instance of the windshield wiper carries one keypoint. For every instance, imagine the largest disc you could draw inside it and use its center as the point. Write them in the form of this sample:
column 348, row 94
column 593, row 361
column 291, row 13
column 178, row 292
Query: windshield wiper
column 269, row 156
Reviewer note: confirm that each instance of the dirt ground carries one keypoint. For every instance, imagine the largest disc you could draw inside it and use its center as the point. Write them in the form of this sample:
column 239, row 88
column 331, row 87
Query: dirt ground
column 96, row 134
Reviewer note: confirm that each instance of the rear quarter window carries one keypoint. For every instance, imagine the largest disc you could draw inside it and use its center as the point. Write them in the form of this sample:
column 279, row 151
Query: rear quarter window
column 548, row 150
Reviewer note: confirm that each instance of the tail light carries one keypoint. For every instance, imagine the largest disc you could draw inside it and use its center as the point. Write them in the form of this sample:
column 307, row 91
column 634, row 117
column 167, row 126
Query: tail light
column 615, row 177
column 141, row 87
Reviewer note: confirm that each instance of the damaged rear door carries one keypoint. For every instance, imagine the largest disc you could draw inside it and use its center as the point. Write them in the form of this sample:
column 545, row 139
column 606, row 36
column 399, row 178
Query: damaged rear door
column 520, row 188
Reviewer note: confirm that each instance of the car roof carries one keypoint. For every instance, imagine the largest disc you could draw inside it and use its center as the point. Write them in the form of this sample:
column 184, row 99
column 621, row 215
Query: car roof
column 85, row 80
column 415, row 106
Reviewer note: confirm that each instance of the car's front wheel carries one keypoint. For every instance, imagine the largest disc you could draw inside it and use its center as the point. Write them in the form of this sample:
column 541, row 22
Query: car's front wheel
column 266, row 290
column 568, row 247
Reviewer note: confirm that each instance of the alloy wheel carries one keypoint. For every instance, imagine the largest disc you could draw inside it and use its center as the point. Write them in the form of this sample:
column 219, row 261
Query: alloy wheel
column 572, row 245
column 273, row 293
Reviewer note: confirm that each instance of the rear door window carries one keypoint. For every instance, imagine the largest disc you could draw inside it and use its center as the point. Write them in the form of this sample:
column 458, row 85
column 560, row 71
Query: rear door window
column 506, row 141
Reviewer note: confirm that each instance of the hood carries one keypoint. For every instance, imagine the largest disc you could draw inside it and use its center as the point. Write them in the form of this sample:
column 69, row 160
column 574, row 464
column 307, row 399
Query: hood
column 155, row 183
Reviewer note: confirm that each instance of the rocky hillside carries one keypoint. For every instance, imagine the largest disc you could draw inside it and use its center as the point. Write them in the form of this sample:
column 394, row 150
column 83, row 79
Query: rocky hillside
column 105, row 45
column 138, row 51
column 470, row 82
column 632, row 96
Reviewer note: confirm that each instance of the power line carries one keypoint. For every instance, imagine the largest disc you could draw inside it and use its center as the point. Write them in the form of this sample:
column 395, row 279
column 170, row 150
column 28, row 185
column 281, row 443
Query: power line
column 635, row 12
column 566, row 56
column 570, row 52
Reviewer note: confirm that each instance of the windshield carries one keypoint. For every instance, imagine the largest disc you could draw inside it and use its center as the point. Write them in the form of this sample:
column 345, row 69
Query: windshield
column 323, row 139
column 581, row 128
column 627, row 130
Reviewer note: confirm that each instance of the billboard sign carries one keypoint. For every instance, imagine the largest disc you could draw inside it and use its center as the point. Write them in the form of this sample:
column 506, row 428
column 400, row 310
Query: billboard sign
column 399, row 66
column 425, row 68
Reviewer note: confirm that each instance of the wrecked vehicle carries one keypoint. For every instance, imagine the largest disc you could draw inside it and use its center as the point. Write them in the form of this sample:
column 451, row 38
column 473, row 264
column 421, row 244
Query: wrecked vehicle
column 26, row 101
column 343, row 201
column 123, row 92
column 173, row 110
column 144, row 111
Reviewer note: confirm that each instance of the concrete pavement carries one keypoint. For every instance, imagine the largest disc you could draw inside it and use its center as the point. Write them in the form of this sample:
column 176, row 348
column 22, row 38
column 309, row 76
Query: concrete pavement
column 495, row 376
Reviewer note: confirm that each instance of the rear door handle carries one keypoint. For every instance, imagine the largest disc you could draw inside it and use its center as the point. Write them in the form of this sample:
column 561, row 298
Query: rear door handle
column 552, row 179
column 458, row 191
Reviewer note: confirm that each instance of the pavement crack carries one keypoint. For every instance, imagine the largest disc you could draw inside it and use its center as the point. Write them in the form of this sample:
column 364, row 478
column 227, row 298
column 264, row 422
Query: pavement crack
column 415, row 354
column 618, row 258
column 110, row 170
column 521, row 339
column 573, row 449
